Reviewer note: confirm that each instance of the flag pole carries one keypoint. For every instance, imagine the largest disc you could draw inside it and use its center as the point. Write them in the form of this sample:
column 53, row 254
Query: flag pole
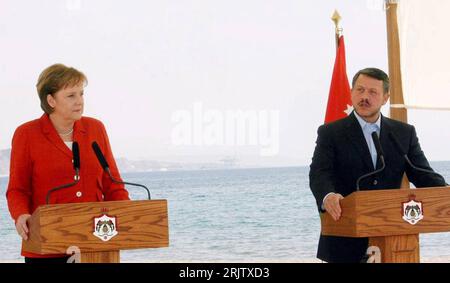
column 395, row 73
column 339, row 99
column 336, row 18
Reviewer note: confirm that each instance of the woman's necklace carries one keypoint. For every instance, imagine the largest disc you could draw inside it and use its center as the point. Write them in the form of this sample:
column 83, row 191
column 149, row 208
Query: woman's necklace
column 66, row 134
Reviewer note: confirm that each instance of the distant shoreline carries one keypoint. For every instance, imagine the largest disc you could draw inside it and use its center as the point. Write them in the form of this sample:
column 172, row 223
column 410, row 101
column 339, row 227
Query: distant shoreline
column 197, row 170
column 225, row 169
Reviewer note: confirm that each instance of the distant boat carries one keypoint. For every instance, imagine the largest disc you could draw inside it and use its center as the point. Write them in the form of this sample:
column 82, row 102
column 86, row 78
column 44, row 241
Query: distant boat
column 163, row 169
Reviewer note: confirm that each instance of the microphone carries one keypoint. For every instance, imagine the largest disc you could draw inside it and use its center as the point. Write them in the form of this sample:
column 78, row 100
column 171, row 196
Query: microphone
column 76, row 167
column 380, row 153
column 105, row 166
column 379, row 149
column 76, row 159
column 100, row 157
column 405, row 156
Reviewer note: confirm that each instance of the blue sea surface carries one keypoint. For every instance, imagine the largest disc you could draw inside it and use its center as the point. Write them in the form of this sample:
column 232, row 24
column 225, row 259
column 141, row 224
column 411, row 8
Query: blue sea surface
column 265, row 214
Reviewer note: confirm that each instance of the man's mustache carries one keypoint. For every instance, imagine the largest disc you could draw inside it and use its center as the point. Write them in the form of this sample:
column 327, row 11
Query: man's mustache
column 364, row 102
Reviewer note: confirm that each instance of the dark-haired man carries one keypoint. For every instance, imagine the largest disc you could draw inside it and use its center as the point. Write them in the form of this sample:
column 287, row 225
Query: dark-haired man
column 345, row 151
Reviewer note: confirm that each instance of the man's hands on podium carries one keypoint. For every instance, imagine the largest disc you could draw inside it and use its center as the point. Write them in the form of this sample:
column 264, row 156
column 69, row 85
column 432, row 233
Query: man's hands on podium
column 22, row 226
column 332, row 206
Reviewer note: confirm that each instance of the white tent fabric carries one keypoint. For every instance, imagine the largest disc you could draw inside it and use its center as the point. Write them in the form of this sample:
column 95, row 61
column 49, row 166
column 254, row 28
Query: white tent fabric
column 425, row 53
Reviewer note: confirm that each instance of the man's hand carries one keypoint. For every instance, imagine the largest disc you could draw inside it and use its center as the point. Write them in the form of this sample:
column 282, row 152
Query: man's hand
column 332, row 206
column 22, row 226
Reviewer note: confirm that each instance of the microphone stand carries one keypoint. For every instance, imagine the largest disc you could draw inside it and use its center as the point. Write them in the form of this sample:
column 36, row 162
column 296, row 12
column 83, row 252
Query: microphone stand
column 127, row 183
column 77, row 179
column 383, row 165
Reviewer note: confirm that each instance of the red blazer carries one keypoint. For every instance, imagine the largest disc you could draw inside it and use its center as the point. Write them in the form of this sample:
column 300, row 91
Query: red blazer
column 41, row 161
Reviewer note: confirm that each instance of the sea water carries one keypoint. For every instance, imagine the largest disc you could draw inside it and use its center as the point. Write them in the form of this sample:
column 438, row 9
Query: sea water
column 253, row 215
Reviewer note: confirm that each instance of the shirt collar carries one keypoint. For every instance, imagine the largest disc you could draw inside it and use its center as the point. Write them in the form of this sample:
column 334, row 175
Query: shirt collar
column 363, row 123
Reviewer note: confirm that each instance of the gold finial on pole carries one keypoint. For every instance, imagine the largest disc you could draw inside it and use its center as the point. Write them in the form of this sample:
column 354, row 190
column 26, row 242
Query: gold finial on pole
column 336, row 18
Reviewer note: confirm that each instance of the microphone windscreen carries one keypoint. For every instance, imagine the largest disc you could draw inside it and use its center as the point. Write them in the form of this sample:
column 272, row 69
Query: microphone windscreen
column 100, row 156
column 377, row 144
column 76, row 155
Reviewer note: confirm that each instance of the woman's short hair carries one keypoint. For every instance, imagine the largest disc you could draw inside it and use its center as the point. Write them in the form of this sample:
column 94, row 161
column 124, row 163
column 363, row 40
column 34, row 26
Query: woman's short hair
column 54, row 78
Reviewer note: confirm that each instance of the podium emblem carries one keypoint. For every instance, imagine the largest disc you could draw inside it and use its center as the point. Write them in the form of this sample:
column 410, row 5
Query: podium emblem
column 105, row 227
column 412, row 210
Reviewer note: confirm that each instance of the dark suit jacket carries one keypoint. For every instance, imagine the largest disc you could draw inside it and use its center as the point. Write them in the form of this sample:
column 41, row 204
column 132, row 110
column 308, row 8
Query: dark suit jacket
column 342, row 155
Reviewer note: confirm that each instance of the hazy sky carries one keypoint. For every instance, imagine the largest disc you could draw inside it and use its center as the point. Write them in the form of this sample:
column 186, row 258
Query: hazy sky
column 152, row 63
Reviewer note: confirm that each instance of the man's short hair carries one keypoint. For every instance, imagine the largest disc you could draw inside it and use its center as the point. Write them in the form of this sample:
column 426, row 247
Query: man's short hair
column 375, row 74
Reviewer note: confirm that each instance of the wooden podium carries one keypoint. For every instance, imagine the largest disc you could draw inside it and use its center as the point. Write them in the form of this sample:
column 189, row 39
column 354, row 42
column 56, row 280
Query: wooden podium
column 379, row 215
column 55, row 229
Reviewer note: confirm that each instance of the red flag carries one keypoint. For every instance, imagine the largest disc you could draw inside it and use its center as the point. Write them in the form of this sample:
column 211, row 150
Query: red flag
column 339, row 100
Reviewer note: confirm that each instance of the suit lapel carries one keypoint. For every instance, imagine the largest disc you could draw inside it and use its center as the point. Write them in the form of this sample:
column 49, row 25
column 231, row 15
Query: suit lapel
column 356, row 136
column 79, row 131
column 52, row 136
column 385, row 129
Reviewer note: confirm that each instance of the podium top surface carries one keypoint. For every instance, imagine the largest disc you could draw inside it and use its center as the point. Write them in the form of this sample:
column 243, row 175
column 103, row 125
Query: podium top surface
column 374, row 213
